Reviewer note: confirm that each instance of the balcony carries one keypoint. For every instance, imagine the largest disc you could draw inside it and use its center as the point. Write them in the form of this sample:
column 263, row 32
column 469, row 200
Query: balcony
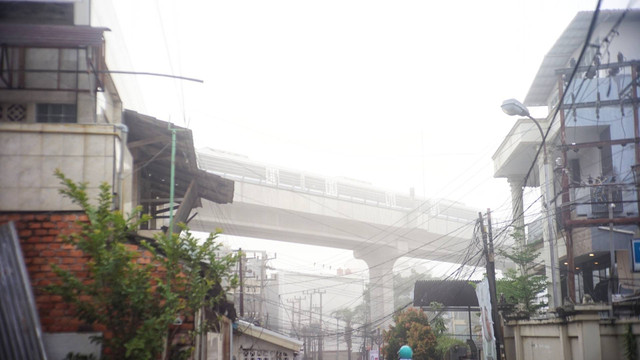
column 516, row 153
column 534, row 233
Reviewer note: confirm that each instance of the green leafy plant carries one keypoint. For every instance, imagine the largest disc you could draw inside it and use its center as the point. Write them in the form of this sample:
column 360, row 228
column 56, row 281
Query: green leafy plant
column 411, row 328
column 348, row 315
column 403, row 287
column 630, row 345
column 522, row 286
column 78, row 356
column 443, row 340
column 135, row 292
column 360, row 315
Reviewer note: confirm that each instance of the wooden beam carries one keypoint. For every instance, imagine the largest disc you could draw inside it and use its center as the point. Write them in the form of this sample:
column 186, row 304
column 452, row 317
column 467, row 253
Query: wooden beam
column 159, row 201
column 190, row 198
column 603, row 221
column 152, row 140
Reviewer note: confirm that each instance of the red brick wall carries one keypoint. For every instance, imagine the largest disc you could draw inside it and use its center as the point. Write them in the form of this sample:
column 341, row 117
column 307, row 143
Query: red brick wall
column 42, row 245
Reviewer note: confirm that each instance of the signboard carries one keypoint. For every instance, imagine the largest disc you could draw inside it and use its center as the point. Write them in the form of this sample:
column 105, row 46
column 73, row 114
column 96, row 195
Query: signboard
column 635, row 249
column 488, row 338
column 373, row 355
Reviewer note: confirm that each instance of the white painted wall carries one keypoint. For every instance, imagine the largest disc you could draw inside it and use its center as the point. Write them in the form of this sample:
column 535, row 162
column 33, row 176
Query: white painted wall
column 58, row 345
column 30, row 153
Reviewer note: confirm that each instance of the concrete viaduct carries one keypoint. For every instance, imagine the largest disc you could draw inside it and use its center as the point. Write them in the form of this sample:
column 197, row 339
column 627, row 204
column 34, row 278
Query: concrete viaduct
column 379, row 226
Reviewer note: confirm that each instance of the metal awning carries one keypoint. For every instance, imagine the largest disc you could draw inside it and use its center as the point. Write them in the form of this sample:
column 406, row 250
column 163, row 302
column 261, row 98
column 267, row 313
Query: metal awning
column 269, row 336
column 567, row 44
column 449, row 293
column 29, row 35
column 149, row 142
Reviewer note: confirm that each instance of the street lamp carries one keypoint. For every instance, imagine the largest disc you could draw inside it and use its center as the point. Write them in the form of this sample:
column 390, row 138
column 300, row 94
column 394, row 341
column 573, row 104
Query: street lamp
column 513, row 107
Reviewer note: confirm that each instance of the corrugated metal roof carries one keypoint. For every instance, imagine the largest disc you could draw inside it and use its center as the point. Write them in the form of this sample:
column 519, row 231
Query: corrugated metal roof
column 152, row 138
column 558, row 57
column 269, row 336
column 50, row 35
column 450, row 293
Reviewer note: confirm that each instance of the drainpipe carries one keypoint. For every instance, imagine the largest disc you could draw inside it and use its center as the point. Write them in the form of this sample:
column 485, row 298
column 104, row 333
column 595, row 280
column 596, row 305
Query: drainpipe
column 123, row 145
column 230, row 339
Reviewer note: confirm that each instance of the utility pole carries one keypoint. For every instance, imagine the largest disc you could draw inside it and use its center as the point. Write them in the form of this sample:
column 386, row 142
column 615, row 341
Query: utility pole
column 612, row 250
column 264, row 316
column 337, row 338
column 321, row 336
column 293, row 313
column 299, row 300
column 491, row 275
column 241, row 282
column 253, row 293
column 263, row 304
column 318, row 337
column 310, row 293
column 294, row 301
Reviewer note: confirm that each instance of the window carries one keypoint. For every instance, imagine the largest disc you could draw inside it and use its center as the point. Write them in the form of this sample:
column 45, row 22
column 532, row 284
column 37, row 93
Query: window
column 605, row 154
column 273, row 176
column 331, row 187
column 56, row 113
column 13, row 112
column 574, row 168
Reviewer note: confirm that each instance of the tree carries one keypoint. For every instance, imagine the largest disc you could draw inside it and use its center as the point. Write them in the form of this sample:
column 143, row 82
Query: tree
column 403, row 287
column 522, row 286
column 411, row 328
column 136, row 292
column 348, row 316
column 630, row 344
column 444, row 342
column 359, row 314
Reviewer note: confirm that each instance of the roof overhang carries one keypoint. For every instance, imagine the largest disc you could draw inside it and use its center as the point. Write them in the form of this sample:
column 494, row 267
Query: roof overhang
column 269, row 336
column 564, row 48
column 514, row 156
column 150, row 139
column 150, row 143
column 450, row 293
column 55, row 36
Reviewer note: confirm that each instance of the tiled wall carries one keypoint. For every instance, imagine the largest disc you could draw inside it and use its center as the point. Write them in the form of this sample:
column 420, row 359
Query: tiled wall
column 30, row 153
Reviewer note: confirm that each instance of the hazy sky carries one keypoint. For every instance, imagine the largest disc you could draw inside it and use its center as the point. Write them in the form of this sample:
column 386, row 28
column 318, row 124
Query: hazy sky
column 397, row 93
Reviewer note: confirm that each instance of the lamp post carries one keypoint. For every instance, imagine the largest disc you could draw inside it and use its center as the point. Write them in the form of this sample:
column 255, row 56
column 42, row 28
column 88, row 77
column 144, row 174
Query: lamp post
column 513, row 107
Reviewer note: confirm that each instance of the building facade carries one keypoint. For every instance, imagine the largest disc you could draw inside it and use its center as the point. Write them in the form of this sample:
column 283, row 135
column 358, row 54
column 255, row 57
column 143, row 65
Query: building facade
column 60, row 109
column 593, row 151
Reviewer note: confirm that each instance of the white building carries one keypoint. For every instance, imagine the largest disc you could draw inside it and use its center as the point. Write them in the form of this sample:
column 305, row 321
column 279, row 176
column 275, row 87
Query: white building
column 593, row 153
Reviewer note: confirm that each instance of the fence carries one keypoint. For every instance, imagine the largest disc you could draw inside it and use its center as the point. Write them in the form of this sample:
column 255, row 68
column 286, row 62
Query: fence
column 20, row 334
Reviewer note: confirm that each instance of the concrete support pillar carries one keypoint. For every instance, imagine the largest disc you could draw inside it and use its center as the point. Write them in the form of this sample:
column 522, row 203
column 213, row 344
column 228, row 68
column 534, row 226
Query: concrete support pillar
column 565, row 343
column 589, row 340
column 550, row 236
column 380, row 263
column 517, row 202
column 517, row 337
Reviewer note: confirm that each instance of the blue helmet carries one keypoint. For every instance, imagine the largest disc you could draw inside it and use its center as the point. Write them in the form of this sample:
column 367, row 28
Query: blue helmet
column 405, row 352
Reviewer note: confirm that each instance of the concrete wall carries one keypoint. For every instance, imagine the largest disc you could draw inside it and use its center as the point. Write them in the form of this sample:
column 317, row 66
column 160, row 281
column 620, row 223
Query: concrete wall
column 588, row 334
column 247, row 347
column 30, row 153
column 58, row 345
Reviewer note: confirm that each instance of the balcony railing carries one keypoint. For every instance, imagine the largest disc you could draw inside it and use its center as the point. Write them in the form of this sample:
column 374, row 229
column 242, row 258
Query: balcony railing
column 602, row 196
column 534, row 231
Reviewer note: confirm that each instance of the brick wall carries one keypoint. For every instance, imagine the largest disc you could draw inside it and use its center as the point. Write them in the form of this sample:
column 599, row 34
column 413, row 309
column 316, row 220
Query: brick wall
column 42, row 245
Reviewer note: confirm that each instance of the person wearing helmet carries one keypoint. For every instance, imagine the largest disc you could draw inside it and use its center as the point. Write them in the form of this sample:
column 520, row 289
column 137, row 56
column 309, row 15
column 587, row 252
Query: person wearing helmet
column 405, row 353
